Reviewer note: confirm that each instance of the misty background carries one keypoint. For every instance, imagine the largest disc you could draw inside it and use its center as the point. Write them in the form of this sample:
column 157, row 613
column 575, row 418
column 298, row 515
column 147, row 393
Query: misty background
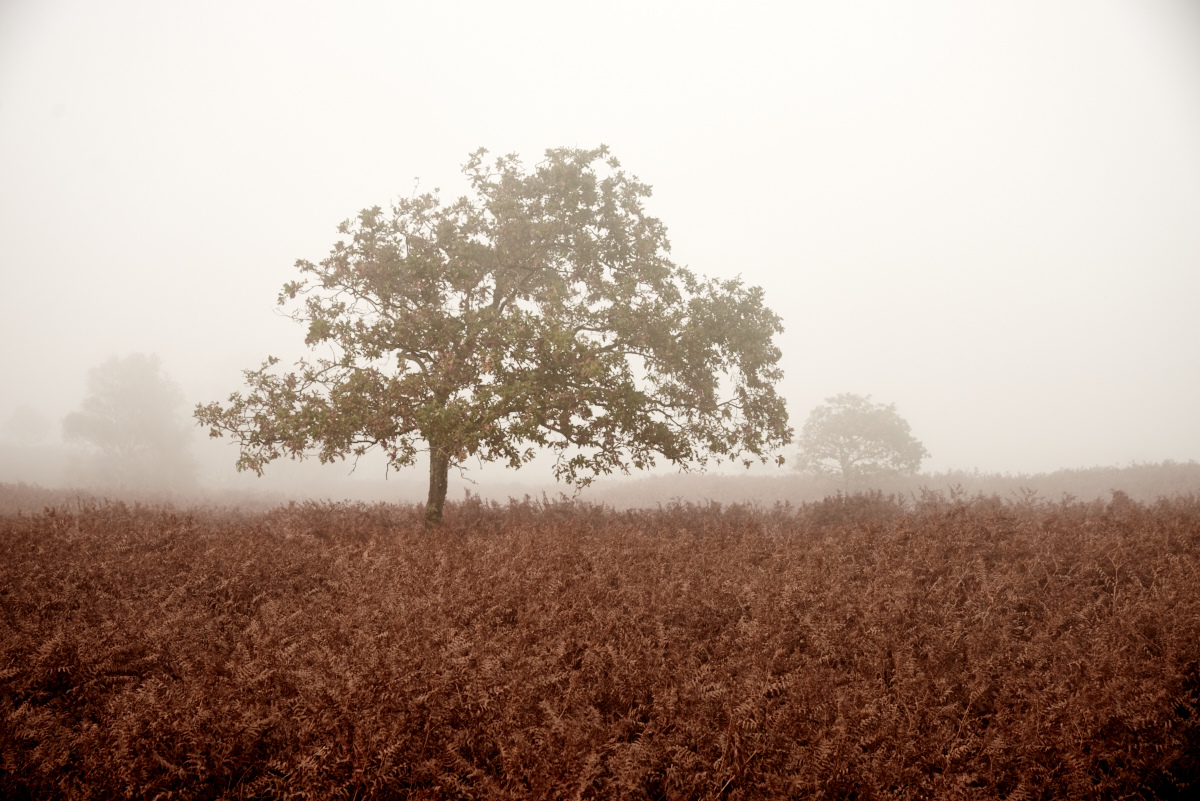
column 985, row 213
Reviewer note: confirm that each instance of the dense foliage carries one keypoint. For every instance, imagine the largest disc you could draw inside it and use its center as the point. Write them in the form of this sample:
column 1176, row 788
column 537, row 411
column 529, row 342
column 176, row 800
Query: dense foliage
column 850, row 648
column 539, row 312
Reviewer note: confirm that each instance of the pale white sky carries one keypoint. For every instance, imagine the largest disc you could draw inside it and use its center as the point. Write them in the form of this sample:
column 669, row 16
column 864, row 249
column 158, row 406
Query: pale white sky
column 987, row 213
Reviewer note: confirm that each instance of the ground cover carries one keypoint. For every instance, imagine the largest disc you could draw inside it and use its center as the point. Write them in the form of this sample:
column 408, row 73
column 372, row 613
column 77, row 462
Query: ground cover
column 858, row 647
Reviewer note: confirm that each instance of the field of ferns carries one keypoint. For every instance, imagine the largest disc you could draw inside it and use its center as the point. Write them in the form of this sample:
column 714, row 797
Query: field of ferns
column 860, row 647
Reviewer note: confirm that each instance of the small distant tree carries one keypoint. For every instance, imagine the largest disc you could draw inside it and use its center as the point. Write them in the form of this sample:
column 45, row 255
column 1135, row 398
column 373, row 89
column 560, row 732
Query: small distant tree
column 26, row 427
column 850, row 437
column 132, row 427
column 541, row 311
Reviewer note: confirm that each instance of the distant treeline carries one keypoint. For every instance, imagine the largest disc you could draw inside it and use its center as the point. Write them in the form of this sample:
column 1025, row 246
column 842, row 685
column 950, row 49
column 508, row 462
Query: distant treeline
column 1142, row 482
column 26, row 499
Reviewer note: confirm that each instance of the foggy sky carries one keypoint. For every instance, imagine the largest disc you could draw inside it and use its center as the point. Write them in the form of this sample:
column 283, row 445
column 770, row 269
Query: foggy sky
column 987, row 213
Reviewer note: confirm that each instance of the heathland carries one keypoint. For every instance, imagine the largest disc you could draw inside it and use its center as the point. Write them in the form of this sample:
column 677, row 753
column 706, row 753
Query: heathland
column 868, row 646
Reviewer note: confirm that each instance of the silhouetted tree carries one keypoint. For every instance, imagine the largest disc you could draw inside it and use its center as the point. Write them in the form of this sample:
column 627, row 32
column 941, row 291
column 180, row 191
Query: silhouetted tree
column 851, row 437
column 132, row 425
column 540, row 310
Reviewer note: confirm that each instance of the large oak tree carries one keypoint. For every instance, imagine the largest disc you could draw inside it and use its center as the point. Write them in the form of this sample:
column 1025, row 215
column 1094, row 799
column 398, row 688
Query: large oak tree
column 540, row 311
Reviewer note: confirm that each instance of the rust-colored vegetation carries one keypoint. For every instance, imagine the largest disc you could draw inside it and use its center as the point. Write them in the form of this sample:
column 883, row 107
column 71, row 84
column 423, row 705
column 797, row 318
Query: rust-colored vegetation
column 854, row 648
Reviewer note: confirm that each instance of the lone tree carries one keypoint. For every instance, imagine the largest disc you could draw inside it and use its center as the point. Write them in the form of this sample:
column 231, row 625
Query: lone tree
column 851, row 437
column 539, row 311
column 132, row 423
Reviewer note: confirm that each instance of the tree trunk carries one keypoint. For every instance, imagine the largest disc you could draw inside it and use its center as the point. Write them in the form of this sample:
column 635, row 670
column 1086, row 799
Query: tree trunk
column 439, row 476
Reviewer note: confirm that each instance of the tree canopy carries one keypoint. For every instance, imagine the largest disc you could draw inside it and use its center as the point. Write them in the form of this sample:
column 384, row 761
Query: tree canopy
column 133, row 426
column 851, row 437
column 540, row 311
